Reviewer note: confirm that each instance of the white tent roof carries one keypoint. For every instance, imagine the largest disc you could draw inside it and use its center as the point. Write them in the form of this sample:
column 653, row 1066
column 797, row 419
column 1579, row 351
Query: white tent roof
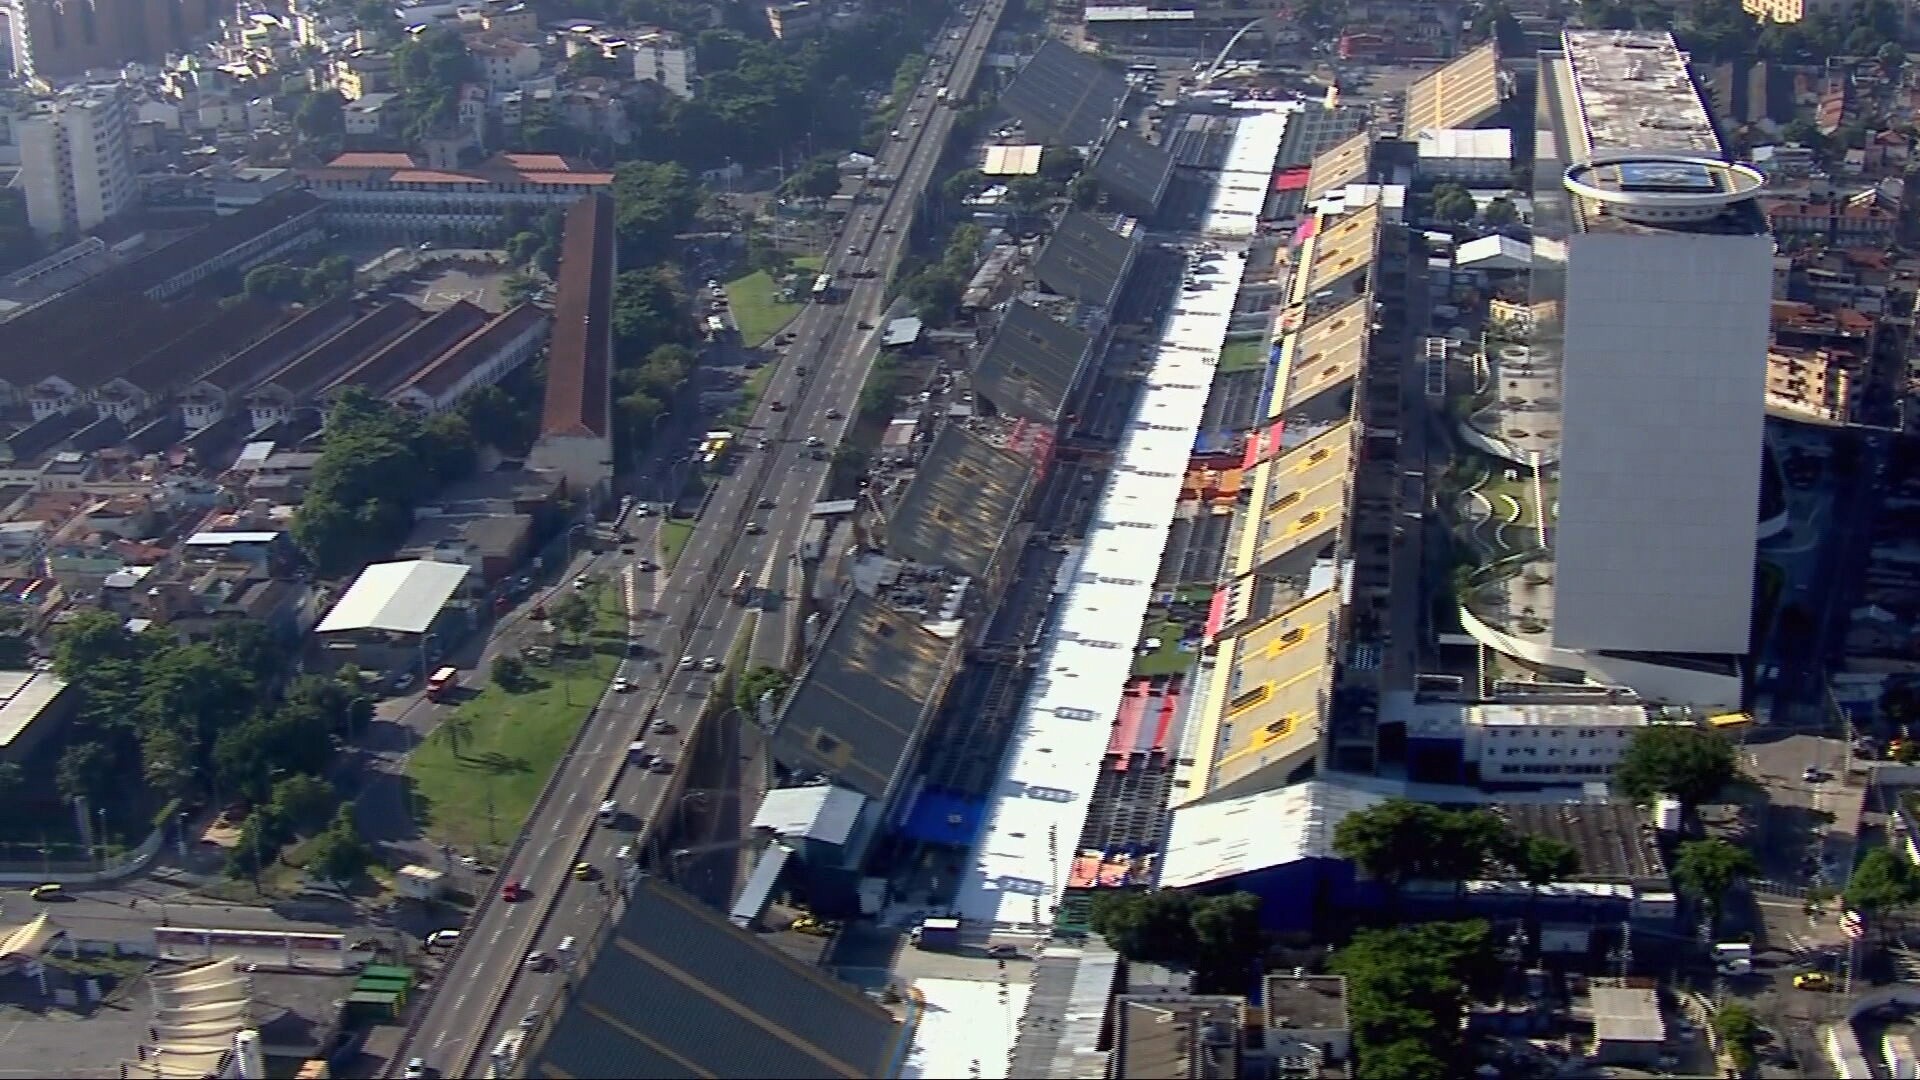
column 1496, row 252
column 398, row 597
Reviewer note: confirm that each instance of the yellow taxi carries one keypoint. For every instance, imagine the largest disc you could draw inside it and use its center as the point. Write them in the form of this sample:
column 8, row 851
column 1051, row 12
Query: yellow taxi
column 583, row 871
column 52, row 890
column 1813, row 980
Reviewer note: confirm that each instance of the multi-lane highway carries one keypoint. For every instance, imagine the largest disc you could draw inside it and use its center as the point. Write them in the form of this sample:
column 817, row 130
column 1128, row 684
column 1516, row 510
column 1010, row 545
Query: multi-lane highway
column 751, row 524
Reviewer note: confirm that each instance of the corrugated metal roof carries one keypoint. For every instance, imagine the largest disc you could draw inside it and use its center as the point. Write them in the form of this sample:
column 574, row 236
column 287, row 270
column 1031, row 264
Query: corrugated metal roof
column 680, row 991
column 398, row 597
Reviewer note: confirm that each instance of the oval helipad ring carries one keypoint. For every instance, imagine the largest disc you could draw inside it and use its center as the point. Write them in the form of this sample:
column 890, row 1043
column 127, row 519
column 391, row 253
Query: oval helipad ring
column 1734, row 182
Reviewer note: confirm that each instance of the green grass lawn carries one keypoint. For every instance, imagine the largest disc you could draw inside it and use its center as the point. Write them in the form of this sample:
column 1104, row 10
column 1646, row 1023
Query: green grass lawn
column 674, row 534
column 508, row 743
column 757, row 308
column 1247, row 355
column 1169, row 658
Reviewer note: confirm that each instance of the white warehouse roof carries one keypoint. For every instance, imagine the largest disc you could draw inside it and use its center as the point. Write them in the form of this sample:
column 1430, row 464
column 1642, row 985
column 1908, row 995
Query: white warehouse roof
column 821, row 812
column 1476, row 144
column 1496, row 252
column 398, row 597
column 1214, row 841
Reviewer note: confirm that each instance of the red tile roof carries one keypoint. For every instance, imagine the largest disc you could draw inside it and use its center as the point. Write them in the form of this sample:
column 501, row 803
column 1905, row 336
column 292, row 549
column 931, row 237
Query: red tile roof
column 579, row 361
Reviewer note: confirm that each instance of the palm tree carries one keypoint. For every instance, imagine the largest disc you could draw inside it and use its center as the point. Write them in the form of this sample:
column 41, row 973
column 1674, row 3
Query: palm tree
column 458, row 729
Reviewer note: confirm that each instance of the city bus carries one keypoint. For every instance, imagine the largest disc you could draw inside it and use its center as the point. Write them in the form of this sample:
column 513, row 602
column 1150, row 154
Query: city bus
column 823, row 289
column 442, row 681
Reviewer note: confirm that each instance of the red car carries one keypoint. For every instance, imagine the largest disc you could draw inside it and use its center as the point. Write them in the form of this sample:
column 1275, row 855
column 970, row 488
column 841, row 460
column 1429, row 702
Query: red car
column 513, row 890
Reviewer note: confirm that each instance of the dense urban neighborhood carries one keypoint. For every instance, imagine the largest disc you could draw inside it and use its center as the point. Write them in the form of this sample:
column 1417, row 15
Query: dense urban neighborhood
column 999, row 538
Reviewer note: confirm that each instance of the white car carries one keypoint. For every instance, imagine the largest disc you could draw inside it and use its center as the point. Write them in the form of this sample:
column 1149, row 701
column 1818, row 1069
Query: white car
column 710, row 664
column 417, row 1069
column 621, row 686
column 688, row 663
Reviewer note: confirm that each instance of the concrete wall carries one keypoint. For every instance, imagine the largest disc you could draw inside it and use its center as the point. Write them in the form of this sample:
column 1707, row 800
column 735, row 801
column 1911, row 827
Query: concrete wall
column 129, row 863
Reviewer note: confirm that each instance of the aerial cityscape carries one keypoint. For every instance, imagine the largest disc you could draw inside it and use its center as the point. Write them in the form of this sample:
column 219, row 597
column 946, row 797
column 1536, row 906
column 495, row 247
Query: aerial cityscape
column 1006, row 539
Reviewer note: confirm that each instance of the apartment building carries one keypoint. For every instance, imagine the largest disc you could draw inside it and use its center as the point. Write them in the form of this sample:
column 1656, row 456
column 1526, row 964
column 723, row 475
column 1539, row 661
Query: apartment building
column 662, row 58
column 76, row 160
column 395, row 194
column 60, row 39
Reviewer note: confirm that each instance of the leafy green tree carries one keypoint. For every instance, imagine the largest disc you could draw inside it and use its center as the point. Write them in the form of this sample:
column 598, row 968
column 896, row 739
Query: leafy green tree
column 649, row 312
column 1451, row 202
column 1882, row 882
column 251, row 647
column 652, row 200
column 519, row 287
column 295, row 738
column 89, row 639
column 86, row 771
column 1691, row 764
column 1707, row 870
column 1404, row 1059
column 572, row 615
column 498, row 420
column 757, row 683
column 523, row 246
column 376, row 463
column 1229, row 943
column 1146, row 927
column 1059, row 164
column 338, row 855
column 169, row 760
column 257, row 846
column 194, row 689
column 963, row 185
column 817, row 179
column 1500, row 212
column 1084, row 192
column 509, row 672
column 305, row 803
column 1542, row 860
column 1407, row 987
column 1399, row 840
column 1739, row 1029
column 322, row 114
column 1028, row 194
column 275, row 282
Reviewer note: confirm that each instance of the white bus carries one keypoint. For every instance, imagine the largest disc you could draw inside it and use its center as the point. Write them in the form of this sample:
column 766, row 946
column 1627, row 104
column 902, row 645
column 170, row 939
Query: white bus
column 823, row 289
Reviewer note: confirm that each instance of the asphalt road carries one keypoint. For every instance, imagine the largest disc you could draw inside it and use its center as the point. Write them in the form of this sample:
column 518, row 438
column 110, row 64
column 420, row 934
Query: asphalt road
column 486, row 989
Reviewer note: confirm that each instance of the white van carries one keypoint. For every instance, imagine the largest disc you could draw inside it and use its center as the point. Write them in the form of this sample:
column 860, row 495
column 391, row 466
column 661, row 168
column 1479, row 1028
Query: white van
column 443, row 939
column 608, row 811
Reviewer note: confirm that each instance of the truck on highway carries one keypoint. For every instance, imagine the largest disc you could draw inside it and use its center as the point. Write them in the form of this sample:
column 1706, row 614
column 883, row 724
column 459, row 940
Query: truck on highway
column 742, row 590
column 940, row 94
column 442, row 681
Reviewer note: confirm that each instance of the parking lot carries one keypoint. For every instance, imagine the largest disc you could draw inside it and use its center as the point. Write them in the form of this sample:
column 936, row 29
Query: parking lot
column 448, row 279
